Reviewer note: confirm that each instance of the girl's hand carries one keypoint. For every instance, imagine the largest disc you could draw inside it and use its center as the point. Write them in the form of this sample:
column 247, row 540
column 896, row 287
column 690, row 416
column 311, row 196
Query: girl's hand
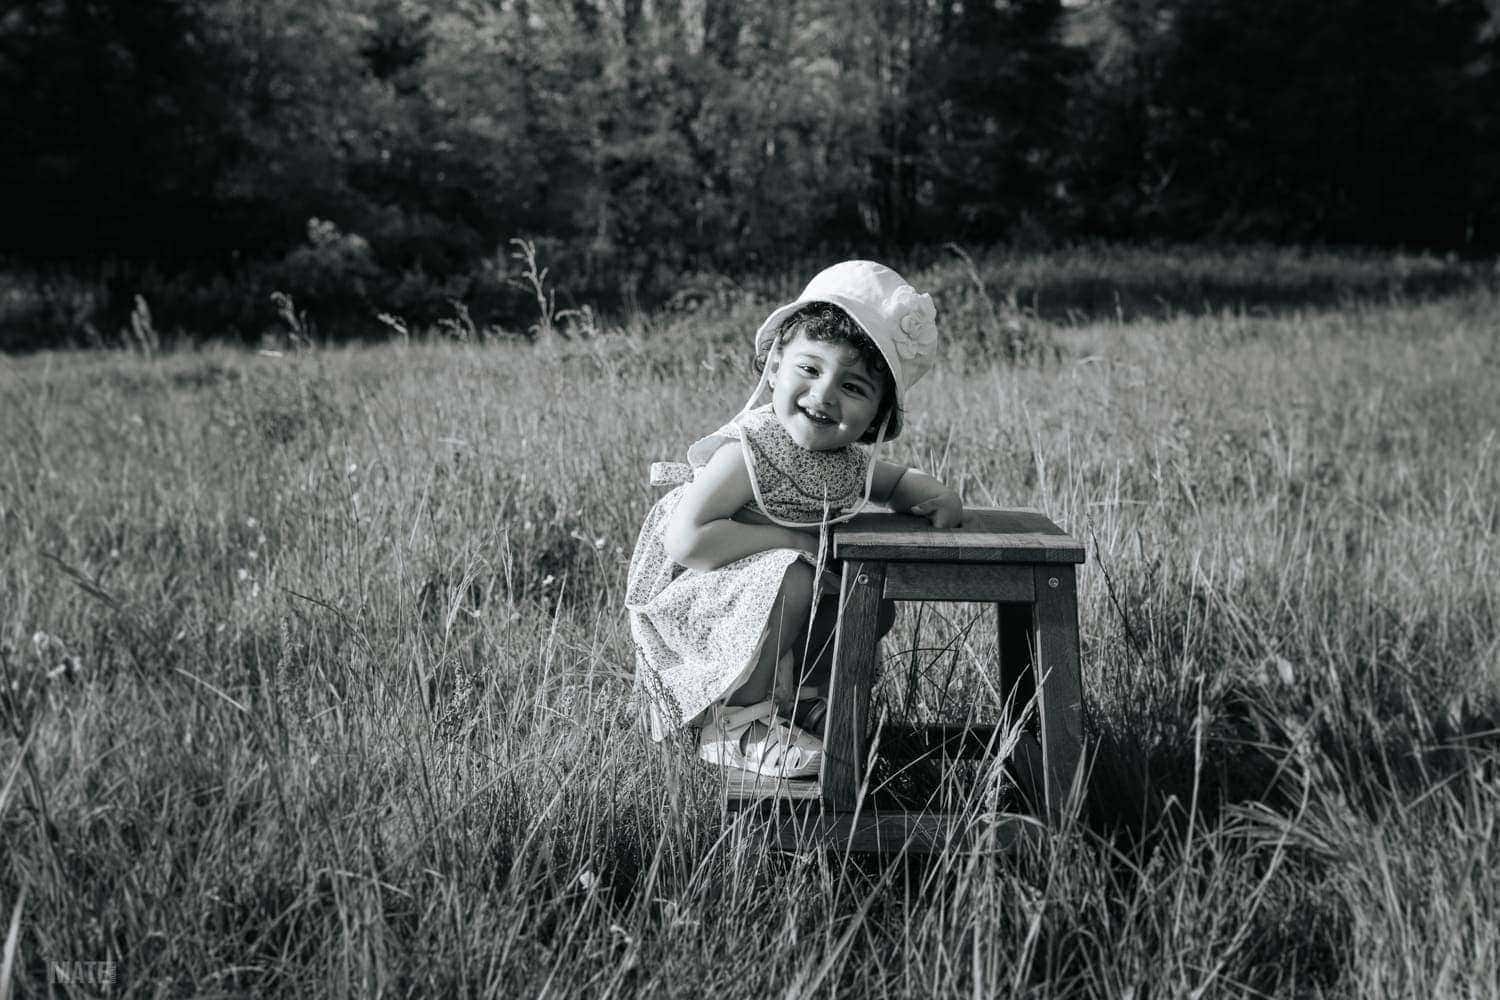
column 913, row 492
column 945, row 510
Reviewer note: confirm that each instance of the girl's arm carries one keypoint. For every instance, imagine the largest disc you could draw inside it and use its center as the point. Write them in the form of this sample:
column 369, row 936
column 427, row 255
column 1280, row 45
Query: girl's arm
column 908, row 491
column 701, row 533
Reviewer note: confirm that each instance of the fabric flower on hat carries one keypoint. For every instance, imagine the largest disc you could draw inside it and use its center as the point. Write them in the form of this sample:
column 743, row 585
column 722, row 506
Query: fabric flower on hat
column 916, row 322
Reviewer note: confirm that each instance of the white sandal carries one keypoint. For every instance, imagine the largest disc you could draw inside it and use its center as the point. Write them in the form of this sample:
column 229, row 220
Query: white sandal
column 753, row 738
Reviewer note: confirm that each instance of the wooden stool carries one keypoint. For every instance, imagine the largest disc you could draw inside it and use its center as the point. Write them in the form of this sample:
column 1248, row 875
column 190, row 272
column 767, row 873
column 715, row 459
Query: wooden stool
column 1016, row 559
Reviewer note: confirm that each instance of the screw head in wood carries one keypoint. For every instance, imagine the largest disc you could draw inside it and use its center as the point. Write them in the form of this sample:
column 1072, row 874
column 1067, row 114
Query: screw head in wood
column 863, row 578
column 1052, row 582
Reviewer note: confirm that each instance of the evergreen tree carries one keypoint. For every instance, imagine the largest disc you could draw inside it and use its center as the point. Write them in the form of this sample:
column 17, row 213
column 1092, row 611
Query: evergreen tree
column 112, row 130
column 1276, row 119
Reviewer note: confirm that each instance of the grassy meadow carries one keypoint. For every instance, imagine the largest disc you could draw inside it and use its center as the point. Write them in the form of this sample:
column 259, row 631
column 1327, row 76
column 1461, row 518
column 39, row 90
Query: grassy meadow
column 314, row 671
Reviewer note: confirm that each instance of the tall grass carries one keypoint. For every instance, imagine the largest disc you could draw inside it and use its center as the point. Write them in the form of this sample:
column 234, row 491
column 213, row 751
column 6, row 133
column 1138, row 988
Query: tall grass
column 315, row 671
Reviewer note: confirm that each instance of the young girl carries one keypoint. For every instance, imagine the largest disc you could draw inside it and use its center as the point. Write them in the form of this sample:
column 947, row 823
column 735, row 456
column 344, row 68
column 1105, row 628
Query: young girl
column 725, row 577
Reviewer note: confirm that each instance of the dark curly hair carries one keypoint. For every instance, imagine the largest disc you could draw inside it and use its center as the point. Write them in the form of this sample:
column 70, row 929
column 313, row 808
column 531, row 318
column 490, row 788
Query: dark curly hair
column 826, row 322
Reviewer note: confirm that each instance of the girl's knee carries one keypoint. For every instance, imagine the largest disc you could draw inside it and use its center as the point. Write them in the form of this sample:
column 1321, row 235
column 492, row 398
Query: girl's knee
column 793, row 607
column 797, row 586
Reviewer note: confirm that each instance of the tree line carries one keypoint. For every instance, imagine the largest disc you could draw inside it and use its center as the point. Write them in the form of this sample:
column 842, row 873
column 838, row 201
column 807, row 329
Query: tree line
column 369, row 149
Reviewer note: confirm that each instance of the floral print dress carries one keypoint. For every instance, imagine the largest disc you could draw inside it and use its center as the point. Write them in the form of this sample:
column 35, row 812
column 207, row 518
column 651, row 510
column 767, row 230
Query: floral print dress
column 698, row 632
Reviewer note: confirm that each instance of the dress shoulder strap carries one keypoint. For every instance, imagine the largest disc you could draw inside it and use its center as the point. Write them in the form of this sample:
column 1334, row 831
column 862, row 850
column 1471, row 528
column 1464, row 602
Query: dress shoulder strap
column 701, row 450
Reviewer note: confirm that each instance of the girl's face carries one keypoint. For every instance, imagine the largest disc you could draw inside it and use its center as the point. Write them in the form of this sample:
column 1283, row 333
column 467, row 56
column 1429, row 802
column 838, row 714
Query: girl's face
column 823, row 393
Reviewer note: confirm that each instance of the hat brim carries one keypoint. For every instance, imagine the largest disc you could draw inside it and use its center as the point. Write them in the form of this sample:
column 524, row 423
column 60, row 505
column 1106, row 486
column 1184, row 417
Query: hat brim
column 853, row 308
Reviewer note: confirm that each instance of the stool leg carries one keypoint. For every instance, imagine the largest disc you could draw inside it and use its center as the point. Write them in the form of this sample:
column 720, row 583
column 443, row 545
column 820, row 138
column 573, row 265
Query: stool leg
column 1014, row 632
column 849, row 682
column 1060, row 681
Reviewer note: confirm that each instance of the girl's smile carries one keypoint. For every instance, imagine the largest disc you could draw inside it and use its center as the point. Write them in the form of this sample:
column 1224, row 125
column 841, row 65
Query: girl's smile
column 823, row 393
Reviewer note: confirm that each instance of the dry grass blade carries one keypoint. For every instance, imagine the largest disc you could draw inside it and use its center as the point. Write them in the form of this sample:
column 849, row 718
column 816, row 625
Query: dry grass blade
column 87, row 585
column 12, row 937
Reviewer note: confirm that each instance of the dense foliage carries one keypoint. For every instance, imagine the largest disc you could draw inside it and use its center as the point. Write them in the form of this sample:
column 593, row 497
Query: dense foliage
column 648, row 140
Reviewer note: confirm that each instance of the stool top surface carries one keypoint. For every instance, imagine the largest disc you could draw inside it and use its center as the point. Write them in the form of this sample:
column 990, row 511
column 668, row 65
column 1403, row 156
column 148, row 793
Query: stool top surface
column 988, row 535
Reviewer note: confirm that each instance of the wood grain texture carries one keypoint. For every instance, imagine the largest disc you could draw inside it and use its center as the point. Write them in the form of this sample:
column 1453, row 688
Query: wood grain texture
column 928, row 581
column 988, row 535
column 849, row 684
column 1061, row 689
column 743, row 786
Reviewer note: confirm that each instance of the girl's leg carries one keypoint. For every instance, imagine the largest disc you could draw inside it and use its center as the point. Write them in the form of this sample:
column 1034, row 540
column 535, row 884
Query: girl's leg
column 813, row 669
column 774, row 676
column 751, row 741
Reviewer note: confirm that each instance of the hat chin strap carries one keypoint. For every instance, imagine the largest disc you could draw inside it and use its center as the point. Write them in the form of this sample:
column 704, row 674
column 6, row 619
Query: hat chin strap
column 820, row 562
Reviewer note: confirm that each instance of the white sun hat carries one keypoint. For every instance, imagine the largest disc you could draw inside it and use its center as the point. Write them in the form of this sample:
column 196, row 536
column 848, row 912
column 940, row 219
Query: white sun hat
column 901, row 321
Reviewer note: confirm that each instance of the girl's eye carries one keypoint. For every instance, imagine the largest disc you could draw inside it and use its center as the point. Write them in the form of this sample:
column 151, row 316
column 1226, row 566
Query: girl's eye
column 854, row 388
column 807, row 369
